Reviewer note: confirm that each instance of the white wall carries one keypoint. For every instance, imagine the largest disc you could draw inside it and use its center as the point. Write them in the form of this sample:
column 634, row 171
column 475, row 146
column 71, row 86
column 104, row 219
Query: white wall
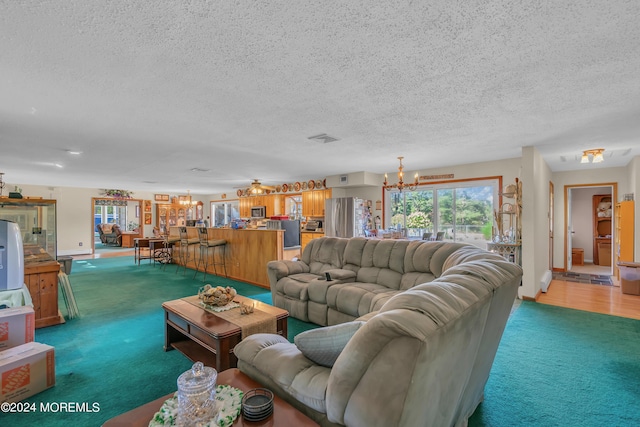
column 535, row 221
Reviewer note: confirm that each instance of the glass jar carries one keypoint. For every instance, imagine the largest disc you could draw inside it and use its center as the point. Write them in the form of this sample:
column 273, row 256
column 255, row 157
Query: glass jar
column 196, row 396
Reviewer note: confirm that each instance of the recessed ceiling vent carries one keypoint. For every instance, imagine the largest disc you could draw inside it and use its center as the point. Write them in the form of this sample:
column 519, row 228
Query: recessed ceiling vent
column 324, row 138
column 199, row 170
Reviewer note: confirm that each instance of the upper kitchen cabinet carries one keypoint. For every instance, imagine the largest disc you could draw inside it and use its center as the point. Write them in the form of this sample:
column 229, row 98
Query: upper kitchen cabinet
column 313, row 202
column 272, row 203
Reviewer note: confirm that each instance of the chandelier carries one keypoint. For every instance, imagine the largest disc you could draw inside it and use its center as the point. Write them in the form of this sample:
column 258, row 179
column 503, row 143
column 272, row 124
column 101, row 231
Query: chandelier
column 593, row 156
column 186, row 200
column 401, row 185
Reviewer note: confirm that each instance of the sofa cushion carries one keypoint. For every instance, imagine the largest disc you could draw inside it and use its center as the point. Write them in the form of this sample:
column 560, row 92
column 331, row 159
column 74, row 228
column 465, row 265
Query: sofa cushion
column 356, row 299
column 324, row 345
column 295, row 285
column 324, row 254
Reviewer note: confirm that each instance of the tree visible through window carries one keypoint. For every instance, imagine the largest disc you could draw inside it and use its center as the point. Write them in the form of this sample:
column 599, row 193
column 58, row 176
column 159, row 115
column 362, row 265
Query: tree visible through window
column 461, row 213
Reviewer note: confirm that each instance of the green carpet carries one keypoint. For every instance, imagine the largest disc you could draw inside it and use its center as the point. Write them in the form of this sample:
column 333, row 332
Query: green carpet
column 554, row 367
column 113, row 354
column 563, row 367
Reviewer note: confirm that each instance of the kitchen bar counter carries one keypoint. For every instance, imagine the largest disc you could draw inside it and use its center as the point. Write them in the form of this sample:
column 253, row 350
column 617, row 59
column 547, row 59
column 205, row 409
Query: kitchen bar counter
column 247, row 253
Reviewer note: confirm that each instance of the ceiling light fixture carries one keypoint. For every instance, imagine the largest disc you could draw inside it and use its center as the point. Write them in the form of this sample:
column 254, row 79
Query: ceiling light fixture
column 593, row 156
column 186, row 201
column 401, row 185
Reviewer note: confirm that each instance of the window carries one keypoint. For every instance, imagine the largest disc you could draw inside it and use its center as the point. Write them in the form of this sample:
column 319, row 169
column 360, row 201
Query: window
column 459, row 212
column 224, row 213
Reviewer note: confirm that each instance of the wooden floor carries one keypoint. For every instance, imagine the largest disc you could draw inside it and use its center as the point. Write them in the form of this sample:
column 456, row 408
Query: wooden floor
column 106, row 254
column 594, row 298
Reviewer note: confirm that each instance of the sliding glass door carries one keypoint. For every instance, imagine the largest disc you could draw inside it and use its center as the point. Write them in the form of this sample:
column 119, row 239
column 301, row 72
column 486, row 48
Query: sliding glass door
column 460, row 212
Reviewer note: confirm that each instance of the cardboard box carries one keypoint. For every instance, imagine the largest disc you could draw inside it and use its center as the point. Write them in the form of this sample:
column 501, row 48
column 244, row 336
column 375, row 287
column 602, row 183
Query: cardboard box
column 26, row 370
column 629, row 277
column 17, row 326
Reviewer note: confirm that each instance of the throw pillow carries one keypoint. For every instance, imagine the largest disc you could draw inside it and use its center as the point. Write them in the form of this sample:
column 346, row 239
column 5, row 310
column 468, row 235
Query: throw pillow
column 324, row 345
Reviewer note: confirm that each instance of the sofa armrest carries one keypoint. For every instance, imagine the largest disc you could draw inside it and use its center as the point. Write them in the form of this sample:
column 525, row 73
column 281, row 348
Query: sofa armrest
column 283, row 268
column 279, row 365
column 248, row 349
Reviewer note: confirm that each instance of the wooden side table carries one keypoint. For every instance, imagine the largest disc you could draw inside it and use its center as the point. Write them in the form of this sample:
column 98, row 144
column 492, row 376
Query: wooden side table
column 128, row 238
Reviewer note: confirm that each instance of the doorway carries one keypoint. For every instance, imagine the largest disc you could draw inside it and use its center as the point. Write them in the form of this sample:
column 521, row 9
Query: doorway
column 126, row 213
column 587, row 246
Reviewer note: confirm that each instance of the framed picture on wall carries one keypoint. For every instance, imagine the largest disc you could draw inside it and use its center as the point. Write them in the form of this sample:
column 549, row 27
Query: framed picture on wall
column 147, row 205
column 161, row 197
column 147, row 219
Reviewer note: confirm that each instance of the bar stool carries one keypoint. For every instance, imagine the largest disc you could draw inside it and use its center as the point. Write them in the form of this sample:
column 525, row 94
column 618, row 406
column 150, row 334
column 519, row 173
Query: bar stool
column 185, row 243
column 169, row 242
column 205, row 245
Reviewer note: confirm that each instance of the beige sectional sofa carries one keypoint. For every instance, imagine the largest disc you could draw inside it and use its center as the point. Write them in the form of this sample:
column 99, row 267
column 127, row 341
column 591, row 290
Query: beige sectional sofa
column 365, row 273
column 414, row 330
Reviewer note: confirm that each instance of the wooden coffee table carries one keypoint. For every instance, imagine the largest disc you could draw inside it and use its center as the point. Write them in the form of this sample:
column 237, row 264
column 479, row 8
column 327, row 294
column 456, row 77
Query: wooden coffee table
column 203, row 336
column 283, row 413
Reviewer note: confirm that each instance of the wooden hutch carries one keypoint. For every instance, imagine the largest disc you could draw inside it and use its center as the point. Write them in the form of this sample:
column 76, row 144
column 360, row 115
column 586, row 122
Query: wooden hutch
column 602, row 230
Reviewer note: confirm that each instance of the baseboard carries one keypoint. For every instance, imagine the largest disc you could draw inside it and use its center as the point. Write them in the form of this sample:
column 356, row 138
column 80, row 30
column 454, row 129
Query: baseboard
column 532, row 299
column 72, row 252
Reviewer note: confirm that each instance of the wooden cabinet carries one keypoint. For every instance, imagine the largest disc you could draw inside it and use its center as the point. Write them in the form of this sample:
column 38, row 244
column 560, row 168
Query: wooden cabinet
column 271, row 202
column 602, row 231
column 313, row 202
column 175, row 214
column 624, row 236
column 167, row 216
column 306, row 237
column 42, row 281
column 244, row 206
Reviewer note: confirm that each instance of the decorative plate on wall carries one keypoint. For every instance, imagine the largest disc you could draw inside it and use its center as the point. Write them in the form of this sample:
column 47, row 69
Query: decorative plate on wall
column 312, row 184
column 296, row 186
column 324, row 183
column 318, row 184
column 239, row 193
column 278, row 188
column 304, row 185
column 285, row 188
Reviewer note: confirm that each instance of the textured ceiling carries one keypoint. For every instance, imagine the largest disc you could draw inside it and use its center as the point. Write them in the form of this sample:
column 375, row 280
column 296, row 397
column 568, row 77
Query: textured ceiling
column 148, row 91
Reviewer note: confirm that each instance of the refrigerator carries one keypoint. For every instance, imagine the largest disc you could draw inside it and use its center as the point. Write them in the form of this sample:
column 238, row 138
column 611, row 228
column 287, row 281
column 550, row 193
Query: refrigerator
column 345, row 217
column 291, row 231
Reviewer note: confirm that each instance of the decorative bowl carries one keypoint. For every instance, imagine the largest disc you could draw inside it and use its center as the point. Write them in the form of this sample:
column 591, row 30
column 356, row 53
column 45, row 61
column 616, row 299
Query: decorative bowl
column 216, row 295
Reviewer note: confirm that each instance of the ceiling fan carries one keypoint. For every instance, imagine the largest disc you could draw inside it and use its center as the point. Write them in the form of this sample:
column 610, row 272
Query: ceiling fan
column 256, row 188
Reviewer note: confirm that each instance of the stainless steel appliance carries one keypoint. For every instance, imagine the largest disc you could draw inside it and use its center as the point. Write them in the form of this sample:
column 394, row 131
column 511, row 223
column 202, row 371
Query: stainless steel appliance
column 291, row 231
column 11, row 256
column 258, row 212
column 345, row 217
